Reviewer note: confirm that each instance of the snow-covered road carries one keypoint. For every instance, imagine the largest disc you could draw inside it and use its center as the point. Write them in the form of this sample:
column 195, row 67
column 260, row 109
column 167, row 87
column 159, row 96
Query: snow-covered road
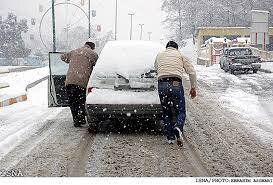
column 228, row 132
column 248, row 95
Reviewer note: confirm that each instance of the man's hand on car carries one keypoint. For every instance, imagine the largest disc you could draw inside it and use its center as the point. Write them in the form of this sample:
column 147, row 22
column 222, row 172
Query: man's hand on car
column 193, row 93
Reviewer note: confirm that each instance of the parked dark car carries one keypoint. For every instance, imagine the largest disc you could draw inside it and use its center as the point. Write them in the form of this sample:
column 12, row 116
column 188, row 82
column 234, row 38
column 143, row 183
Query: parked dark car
column 239, row 59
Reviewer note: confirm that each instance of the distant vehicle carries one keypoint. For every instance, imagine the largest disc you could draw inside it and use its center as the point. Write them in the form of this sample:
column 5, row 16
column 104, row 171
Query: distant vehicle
column 239, row 59
column 123, row 82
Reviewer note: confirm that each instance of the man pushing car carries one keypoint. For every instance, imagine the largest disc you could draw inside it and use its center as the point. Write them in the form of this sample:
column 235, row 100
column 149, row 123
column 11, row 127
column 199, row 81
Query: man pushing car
column 170, row 65
column 81, row 62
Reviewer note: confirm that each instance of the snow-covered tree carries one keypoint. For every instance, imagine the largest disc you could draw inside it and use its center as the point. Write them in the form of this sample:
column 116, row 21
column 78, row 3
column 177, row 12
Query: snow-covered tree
column 77, row 36
column 184, row 16
column 101, row 41
column 12, row 44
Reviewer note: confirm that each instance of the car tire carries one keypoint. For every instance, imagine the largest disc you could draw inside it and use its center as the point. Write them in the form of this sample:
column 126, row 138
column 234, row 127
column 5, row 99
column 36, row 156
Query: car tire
column 92, row 129
column 232, row 71
column 255, row 71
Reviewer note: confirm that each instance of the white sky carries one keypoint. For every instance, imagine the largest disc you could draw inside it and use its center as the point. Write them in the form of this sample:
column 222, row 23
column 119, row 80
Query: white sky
column 146, row 11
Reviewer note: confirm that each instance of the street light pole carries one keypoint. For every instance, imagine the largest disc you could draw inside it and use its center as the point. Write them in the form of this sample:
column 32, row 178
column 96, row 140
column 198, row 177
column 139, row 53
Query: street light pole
column 141, row 28
column 131, row 30
column 89, row 19
column 149, row 33
column 180, row 23
column 116, row 20
column 53, row 26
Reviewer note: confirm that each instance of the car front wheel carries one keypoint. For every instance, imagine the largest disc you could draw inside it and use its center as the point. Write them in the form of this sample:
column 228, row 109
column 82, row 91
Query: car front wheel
column 255, row 70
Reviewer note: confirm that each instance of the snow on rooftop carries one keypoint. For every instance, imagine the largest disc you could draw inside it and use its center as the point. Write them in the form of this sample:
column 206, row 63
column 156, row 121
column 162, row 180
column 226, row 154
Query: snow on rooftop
column 219, row 28
column 260, row 11
column 243, row 39
column 215, row 39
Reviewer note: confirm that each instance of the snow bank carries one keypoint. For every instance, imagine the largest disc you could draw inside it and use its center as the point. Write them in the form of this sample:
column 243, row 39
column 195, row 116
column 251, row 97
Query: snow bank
column 22, row 120
column 241, row 102
column 267, row 66
column 215, row 39
column 19, row 80
column 190, row 51
column 249, row 107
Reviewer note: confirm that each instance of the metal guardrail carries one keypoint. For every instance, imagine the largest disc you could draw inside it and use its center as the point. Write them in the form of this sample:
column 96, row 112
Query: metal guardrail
column 36, row 82
column 4, row 85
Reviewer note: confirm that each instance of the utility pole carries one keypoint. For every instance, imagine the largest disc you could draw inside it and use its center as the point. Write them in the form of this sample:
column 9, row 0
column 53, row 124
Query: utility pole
column 149, row 33
column 53, row 26
column 141, row 28
column 116, row 20
column 89, row 18
column 180, row 23
column 131, row 30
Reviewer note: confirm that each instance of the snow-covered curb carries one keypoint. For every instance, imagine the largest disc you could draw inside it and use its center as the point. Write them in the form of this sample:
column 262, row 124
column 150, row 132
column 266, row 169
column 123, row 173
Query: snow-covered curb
column 11, row 101
column 5, row 70
column 23, row 97
column 19, row 82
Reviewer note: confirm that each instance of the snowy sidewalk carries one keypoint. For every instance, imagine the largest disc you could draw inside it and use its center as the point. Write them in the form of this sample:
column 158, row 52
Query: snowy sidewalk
column 18, row 81
column 21, row 121
column 267, row 67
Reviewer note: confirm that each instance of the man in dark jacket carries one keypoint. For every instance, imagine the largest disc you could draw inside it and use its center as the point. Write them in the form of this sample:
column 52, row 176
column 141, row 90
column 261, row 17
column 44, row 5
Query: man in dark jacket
column 81, row 62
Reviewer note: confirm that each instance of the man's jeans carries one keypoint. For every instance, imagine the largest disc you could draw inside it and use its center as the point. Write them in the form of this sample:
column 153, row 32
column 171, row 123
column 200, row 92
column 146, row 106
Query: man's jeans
column 173, row 105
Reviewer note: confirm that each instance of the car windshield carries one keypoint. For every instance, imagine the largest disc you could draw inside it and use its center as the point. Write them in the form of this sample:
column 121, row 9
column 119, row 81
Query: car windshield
column 240, row 52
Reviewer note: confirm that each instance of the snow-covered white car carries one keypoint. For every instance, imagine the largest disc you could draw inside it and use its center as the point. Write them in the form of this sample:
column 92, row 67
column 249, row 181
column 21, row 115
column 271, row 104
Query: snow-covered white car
column 123, row 83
